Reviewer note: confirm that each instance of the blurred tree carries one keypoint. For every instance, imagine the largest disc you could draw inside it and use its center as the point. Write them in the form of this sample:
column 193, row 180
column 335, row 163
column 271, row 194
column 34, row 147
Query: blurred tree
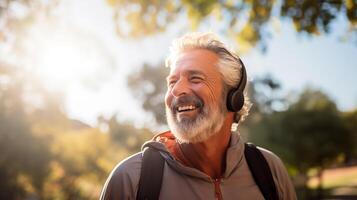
column 82, row 160
column 24, row 156
column 149, row 85
column 125, row 134
column 246, row 21
column 44, row 154
column 16, row 16
column 350, row 120
column 265, row 94
column 309, row 135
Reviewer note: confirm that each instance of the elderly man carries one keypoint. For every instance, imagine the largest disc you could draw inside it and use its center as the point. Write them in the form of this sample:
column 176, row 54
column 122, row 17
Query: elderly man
column 202, row 156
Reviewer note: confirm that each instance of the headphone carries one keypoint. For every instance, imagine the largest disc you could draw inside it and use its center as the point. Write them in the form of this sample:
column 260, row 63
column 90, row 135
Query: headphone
column 235, row 97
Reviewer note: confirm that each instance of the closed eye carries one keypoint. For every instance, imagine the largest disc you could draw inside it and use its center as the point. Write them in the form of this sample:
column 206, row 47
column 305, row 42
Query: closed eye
column 196, row 79
column 171, row 83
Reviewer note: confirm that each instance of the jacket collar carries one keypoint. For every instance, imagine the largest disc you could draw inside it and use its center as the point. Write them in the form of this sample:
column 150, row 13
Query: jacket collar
column 234, row 156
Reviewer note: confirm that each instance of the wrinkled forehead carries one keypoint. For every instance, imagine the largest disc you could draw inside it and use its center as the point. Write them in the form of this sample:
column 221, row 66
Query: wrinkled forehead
column 194, row 59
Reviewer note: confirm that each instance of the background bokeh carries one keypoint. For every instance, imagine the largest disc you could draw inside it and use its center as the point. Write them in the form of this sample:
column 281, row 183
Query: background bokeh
column 82, row 86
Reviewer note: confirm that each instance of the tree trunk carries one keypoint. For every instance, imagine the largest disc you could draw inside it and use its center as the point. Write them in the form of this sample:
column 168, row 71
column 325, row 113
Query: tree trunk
column 319, row 188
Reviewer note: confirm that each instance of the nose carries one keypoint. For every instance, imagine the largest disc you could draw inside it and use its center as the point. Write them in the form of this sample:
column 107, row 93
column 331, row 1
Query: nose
column 180, row 88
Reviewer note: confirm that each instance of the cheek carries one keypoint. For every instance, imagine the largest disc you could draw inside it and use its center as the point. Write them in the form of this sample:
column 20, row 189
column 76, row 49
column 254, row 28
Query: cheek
column 212, row 92
column 168, row 98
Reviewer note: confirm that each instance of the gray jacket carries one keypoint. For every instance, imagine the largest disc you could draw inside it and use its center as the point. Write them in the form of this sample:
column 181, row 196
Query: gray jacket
column 182, row 182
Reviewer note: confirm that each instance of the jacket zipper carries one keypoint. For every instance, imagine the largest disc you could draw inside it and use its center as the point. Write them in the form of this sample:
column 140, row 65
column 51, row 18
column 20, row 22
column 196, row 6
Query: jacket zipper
column 217, row 189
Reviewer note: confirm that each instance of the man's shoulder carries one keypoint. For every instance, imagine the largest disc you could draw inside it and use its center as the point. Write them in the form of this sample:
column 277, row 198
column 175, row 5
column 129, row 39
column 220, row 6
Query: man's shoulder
column 269, row 155
column 275, row 163
column 127, row 172
column 132, row 164
column 129, row 166
column 123, row 181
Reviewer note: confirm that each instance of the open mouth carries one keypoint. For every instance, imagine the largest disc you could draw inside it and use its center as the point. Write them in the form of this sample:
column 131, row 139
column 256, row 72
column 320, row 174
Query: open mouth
column 186, row 108
column 186, row 104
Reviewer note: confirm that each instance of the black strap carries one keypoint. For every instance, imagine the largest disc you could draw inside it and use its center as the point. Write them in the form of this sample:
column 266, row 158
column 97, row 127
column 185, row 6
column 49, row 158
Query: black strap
column 152, row 169
column 260, row 171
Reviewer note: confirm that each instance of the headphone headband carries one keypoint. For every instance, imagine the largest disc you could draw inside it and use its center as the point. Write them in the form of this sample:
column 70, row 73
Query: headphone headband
column 243, row 80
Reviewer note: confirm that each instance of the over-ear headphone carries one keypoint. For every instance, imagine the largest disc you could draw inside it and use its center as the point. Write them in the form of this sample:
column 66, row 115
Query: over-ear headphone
column 235, row 97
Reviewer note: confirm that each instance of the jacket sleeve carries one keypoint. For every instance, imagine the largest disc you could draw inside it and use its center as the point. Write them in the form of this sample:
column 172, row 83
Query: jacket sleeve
column 122, row 182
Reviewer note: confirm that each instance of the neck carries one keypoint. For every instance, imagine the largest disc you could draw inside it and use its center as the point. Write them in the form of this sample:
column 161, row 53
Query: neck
column 209, row 156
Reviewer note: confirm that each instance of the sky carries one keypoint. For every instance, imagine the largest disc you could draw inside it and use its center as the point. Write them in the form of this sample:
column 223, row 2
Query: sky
column 84, row 37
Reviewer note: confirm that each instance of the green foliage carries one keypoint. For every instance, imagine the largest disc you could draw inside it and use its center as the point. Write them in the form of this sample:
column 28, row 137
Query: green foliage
column 82, row 160
column 125, row 135
column 313, row 17
column 245, row 21
column 309, row 134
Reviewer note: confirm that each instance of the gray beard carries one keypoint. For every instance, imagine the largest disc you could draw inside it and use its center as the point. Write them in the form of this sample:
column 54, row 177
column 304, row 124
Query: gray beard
column 207, row 123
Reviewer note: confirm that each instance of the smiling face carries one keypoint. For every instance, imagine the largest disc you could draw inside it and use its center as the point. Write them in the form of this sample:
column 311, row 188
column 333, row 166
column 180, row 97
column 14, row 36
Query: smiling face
column 195, row 104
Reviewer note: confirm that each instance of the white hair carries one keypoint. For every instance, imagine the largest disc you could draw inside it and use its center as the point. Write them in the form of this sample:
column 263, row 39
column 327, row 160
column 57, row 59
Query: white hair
column 228, row 64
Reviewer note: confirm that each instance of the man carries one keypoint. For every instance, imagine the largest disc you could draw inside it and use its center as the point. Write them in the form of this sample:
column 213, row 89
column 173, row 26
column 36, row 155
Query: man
column 204, row 158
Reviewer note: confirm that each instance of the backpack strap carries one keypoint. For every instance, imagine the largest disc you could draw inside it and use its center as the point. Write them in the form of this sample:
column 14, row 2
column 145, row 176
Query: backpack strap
column 152, row 169
column 261, row 172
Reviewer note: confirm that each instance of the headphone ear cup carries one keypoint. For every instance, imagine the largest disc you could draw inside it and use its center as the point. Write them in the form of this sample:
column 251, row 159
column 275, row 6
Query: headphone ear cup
column 238, row 101
column 235, row 97
column 229, row 100
column 235, row 100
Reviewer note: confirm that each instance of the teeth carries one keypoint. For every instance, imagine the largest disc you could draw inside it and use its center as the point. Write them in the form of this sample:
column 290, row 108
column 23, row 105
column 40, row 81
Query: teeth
column 182, row 108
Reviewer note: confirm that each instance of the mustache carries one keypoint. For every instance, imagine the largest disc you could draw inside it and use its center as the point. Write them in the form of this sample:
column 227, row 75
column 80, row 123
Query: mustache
column 184, row 100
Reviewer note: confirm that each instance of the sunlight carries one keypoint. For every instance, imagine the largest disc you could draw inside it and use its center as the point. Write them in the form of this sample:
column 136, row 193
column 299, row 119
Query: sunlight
column 62, row 64
column 61, row 57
